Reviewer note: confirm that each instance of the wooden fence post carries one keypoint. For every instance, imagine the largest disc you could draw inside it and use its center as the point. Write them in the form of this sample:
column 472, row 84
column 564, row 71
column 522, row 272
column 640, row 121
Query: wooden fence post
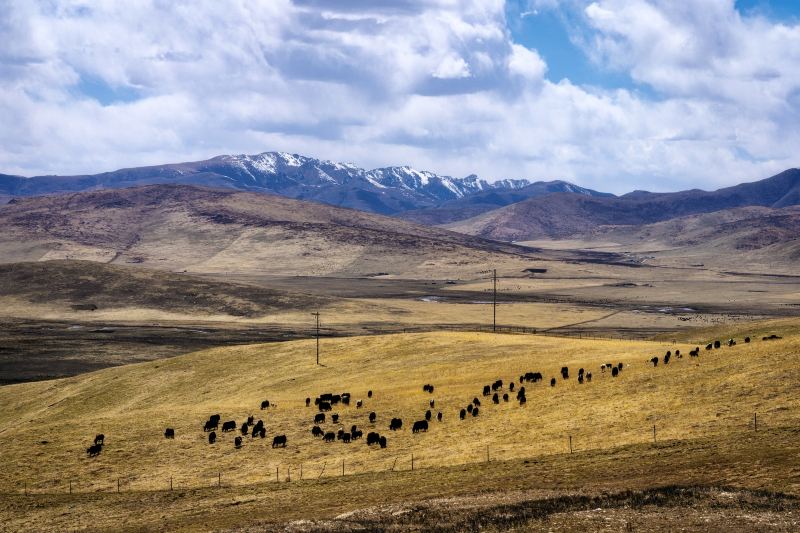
column 654, row 432
column 570, row 444
column 412, row 462
column 219, row 479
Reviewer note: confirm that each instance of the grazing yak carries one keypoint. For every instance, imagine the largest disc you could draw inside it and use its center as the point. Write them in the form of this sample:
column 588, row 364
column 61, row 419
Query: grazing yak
column 709, row 346
column 495, row 398
column 230, row 425
column 99, row 439
column 245, row 428
column 373, row 438
column 439, row 416
column 486, row 390
column 335, row 418
column 372, row 417
column 695, row 352
column 476, row 402
column 428, row 415
column 395, row 424
column 717, row 344
column 369, row 394
column 308, row 402
column 324, row 406
column 475, row 412
column 469, row 408
column 431, row 403
column 346, row 438
column 462, row 414
column 746, row 340
column 262, row 433
column 169, row 433
column 580, row 379
column 511, row 387
column 731, row 342
column 212, row 437
column 265, row 403
column 250, row 420
column 422, row 425
column 330, row 436
column 614, row 372
column 382, row 441
column 316, row 431
column 359, row 404
column 497, row 385
column 237, row 442
column 210, row 424
column 94, row 450
column 552, row 382
column 505, row 397
column 523, row 401
column 771, row 337
column 654, row 360
column 279, row 440
column 319, row 418
column 564, row 372
column 357, row 434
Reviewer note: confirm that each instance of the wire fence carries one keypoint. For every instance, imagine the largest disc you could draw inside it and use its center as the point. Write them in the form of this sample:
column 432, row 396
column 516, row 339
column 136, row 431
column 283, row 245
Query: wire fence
column 344, row 466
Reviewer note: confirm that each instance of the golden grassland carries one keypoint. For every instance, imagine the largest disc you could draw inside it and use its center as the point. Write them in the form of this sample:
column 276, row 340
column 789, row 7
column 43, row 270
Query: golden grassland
column 713, row 395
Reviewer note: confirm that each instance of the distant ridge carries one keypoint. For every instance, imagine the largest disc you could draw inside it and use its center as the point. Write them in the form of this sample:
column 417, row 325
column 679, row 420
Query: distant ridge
column 564, row 215
column 385, row 191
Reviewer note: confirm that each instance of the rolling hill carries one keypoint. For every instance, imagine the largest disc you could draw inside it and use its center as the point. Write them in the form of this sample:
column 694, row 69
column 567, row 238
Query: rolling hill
column 702, row 408
column 564, row 215
column 180, row 228
column 481, row 202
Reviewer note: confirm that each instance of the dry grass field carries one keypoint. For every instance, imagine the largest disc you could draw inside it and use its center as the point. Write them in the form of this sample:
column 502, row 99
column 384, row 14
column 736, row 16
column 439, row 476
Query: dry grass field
column 702, row 409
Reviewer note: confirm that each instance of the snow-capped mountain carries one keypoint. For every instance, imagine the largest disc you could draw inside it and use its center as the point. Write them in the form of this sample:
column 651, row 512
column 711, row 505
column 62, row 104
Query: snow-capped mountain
column 383, row 190
column 389, row 190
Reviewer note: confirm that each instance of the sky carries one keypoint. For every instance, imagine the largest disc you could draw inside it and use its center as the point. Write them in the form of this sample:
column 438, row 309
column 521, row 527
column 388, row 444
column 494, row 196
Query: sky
column 615, row 95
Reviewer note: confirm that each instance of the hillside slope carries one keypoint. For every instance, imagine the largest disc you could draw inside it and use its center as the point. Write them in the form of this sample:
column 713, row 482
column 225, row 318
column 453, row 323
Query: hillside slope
column 207, row 230
column 565, row 215
column 481, row 202
column 690, row 400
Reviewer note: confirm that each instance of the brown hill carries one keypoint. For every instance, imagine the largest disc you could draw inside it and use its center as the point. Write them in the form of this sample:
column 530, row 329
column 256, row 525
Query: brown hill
column 89, row 286
column 187, row 228
column 567, row 215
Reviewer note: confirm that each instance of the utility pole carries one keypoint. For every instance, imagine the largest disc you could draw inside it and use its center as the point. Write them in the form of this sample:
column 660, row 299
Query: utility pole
column 316, row 316
column 494, row 301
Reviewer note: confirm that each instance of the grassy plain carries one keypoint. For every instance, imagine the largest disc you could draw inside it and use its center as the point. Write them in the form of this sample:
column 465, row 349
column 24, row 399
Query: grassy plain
column 702, row 408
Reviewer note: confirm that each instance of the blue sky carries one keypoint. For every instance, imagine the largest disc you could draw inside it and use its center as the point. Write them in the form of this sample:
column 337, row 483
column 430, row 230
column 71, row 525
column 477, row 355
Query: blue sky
column 610, row 94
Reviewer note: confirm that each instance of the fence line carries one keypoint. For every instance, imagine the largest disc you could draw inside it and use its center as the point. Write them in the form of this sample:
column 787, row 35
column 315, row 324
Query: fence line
column 408, row 462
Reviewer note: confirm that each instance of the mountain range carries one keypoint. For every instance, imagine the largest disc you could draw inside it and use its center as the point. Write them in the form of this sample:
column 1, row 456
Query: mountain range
column 386, row 191
column 505, row 210
column 562, row 215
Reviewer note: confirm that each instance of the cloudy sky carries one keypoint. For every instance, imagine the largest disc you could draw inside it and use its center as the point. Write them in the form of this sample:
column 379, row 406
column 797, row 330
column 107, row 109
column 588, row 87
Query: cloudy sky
column 611, row 94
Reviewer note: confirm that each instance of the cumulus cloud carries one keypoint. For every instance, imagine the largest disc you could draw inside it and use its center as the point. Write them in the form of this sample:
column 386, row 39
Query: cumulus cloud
column 438, row 84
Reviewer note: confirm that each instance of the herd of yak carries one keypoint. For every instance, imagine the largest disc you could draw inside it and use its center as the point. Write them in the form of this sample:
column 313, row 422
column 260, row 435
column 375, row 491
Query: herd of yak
column 326, row 402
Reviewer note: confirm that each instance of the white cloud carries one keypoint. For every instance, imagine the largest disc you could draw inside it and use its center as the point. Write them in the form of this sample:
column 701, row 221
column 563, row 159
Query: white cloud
column 452, row 67
column 438, row 84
